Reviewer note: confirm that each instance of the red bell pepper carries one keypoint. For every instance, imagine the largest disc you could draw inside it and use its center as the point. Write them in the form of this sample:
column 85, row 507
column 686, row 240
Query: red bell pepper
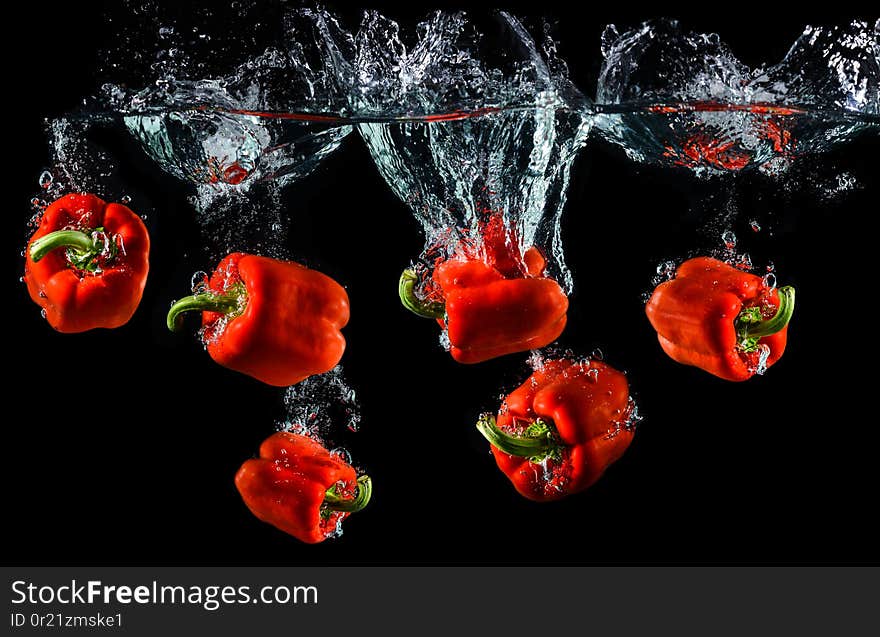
column 557, row 433
column 98, row 279
column 492, row 302
column 277, row 321
column 725, row 321
column 296, row 485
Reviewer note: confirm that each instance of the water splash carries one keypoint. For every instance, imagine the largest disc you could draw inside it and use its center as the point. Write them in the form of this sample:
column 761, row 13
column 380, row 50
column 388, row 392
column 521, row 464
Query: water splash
column 266, row 120
column 664, row 95
column 672, row 97
column 510, row 159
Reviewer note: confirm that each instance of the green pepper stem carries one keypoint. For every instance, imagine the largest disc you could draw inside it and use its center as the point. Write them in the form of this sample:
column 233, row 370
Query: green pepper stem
column 521, row 446
column 204, row 302
column 777, row 322
column 350, row 505
column 79, row 241
column 406, row 288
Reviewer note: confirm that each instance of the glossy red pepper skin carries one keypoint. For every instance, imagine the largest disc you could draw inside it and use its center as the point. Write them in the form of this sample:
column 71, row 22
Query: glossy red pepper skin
column 287, row 485
column 491, row 298
column 587, row 406
column 695, row 316
column 488, row 315
column 76, row 300
column 289, row 326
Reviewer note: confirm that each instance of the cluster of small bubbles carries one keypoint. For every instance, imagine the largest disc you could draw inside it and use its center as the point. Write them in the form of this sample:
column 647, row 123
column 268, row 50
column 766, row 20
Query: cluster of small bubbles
column 352, row 413
column 755, row 226
column 208, row 335
column 665, row 271
column 634, row 417
column 846, row 181
column 763, row 357
column 341, row 453
column 323, row 402
column 613, row 431
column 336, row 531
column 296, row 428
column 445, row 343
column 536, row 359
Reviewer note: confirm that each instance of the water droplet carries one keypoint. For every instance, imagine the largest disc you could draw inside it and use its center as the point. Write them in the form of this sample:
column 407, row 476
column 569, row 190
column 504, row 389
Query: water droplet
column 125, row 200
column 43, row 312
column 597, row 355
column 21, row 279
column 42, row 295
column 755, row 226
column 144, row 217
column 22, row 253
column 45, row 180
column 770, row 280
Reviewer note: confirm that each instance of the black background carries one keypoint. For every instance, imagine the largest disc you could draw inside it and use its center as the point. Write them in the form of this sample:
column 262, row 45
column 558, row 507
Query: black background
column 120, row 446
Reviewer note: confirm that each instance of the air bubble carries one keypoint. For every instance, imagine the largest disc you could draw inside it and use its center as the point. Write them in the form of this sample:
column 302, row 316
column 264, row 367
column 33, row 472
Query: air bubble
column 755, row 226
column 199, row 282
column 43, row 312
column 729, row 239
column 770, row 280
column 341, row 453
column 45, row 180
column 125, row 200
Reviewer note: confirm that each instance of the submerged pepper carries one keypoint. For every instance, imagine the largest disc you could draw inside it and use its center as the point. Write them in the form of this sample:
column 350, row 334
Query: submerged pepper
column 725, row 321
column 557, row 433
column 494, row 302
column 87, row 263
column 299, row 487
column 277, row 321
